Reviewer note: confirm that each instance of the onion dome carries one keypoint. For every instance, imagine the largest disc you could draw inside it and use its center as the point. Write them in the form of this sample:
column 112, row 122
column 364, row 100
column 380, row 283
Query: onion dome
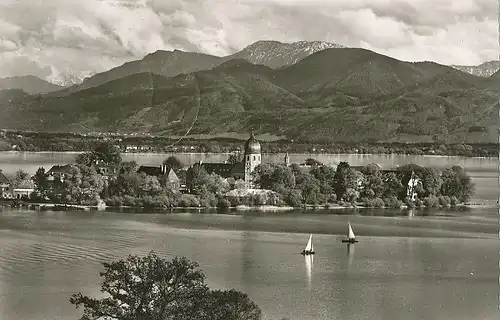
column 252, row 146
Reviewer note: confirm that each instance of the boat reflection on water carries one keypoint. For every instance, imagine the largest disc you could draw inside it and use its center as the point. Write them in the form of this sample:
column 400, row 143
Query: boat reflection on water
column 350, row 253
column 309, row 259
column 411, row 213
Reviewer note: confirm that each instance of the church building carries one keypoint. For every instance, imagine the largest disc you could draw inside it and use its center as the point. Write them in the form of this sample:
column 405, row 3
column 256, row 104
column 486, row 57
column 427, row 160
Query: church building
column 233, row 171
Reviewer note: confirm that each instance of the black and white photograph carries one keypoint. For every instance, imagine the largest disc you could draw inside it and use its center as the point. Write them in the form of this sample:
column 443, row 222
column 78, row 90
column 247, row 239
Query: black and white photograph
column 249, row 159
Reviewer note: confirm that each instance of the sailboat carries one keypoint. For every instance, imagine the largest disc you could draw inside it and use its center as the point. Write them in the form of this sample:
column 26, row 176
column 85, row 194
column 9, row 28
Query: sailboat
column 309, row 247
column 351, row 237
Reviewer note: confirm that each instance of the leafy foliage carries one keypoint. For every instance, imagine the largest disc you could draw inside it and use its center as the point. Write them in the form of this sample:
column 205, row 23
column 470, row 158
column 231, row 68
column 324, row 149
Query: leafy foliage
column 457, row 183
column 152, row 288
column 173, row 162
column 22, row 180
column 82, row 185
column 41, row 182
column 105, row 153
column 294, row 185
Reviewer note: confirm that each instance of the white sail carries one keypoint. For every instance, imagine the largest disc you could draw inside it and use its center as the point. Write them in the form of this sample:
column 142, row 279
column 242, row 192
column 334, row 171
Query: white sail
column 309, row 246
column 351, row 233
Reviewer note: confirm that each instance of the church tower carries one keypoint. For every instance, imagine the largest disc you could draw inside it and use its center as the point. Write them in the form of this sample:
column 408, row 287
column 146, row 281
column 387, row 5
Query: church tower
column 252, row 159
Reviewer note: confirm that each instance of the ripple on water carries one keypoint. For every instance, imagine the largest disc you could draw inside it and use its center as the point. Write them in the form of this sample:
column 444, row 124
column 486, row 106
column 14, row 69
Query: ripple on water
column 18, row 258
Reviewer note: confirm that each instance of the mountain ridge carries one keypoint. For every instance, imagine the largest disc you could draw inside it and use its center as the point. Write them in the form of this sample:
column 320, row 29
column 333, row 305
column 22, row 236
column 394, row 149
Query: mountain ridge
column 485, row 69
column 29, row 84
column 338, row 94
column 274, row 54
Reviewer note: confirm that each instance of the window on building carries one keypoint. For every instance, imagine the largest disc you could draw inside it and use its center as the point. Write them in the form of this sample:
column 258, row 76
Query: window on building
column 253, row 158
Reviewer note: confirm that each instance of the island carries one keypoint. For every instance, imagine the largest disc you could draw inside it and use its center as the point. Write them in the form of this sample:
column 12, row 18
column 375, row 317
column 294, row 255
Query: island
column 100, row 177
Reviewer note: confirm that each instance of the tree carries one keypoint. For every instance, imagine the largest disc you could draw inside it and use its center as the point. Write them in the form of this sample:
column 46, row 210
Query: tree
column 458, row 184
column 404, row 172
column 214, row 184
column 310, row 187
column 239, row 184
column 108, row 153
column 22, row 180
column 346, row 178
column 85, row 159
column 127, row 182
column 82, row 185
column 149, row 185
column 219, row 302
column 274, row 177
column 326, row 177
column 234, row 158
column 41, row 182
column 294, row 198
column 196, row 176
column 373, row 182
column 151, row 288
column 128, row 167
column 431, row 181
column 343, row 165
column 312, row 162
column 392, row 185
column 173, row 163
column 104, row 152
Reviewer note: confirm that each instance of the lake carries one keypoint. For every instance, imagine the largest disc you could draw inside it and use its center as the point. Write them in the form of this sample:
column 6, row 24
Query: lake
column 484, row 171
column 439, row 264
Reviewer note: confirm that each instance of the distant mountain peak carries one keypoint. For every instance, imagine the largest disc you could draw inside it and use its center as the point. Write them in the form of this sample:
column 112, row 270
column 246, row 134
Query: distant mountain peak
column 485, row 69
column 275, row 54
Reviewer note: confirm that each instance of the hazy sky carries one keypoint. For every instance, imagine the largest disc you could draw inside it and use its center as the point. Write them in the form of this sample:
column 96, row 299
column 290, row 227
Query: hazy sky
column 56, row 38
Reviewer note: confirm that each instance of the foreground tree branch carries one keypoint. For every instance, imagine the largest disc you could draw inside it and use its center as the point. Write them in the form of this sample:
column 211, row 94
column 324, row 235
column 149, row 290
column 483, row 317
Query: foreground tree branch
column 151, row 288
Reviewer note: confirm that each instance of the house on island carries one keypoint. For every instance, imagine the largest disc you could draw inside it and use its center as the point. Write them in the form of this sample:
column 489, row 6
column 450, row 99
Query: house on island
column 411, row 192
column 165, row 175
column 15, row 190
column 4, row 186
column 22, row 192
column 411, row 185
column 22, row 189
column 58, row 172
column 233, row 172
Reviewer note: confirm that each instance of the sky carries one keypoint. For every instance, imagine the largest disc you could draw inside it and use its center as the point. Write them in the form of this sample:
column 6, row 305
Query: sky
column 59, row 39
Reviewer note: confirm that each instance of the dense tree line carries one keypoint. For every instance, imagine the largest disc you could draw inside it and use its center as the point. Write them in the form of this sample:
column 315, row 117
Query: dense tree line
column 323, row 185
column 294, row 185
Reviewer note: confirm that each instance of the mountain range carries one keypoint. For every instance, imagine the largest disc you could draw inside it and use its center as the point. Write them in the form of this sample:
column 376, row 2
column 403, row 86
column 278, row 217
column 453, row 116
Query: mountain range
column 308, row 91
column 485, row 69
column 29, row 84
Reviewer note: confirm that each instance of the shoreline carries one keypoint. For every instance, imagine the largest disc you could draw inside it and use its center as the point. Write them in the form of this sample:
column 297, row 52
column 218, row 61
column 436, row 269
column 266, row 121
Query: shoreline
column 264, row 153
column 239, row 208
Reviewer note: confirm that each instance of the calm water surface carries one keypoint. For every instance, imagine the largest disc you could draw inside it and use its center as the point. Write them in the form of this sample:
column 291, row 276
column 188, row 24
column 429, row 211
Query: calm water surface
column 420, row 265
